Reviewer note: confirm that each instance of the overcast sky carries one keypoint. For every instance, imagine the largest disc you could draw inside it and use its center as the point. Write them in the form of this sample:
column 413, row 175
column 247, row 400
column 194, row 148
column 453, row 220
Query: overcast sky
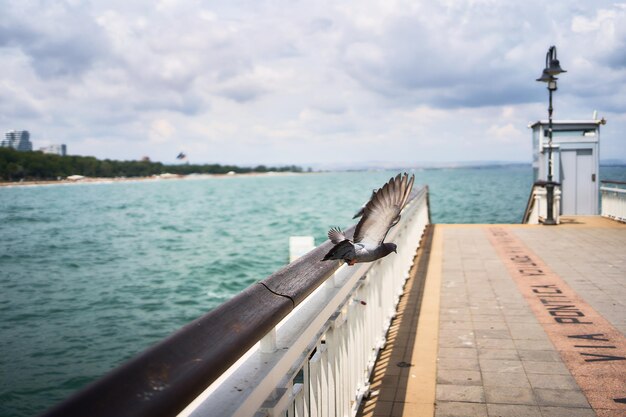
column 282, row 82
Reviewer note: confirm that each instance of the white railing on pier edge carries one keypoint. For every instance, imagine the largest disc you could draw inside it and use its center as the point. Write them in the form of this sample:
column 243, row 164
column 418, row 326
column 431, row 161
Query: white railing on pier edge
column 318, row 360
column 537, row 207
column 613, row 200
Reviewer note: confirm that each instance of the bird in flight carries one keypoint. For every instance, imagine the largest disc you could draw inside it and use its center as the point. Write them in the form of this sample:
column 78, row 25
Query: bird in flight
column 380, row 214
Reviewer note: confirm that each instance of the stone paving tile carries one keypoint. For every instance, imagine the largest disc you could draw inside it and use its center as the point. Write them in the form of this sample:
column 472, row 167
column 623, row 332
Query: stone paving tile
column 547, row 368
column 560, row 398
column 458, row 353
column 540, row 355
column 457, row 342
column 525, row 327
column 491, row 318
column 495, row 343
column 538, row 334
column 460, row 393
column 566, row 412
column 492, row 334
column 505, row 379
column 509, row 395
column 533, row 344
column 465, row 325
column 456, row 302
column 508, row 354
column 465, row 364
column 500, row 365
column 457, row 377
column 460, row 409
column 490, row 325
column 518, row 312
column 453, row 314
column 462, row 333
column 552, row 381
column 513, row 410
column 478, row 306
column 521, row 319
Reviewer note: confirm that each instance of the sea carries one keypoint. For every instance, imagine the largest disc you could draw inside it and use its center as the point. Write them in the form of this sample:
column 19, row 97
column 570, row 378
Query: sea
column 93, row 273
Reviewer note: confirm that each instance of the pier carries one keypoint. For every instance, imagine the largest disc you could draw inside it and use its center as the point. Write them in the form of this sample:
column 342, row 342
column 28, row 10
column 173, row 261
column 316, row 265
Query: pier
column 513, row 320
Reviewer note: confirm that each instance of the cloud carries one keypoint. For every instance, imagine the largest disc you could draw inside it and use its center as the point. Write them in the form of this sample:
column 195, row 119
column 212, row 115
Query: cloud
column 435, row 54
column 606, row 33
column 61, row 40
column 505, row 133
column 161, row 131
column 291, row 82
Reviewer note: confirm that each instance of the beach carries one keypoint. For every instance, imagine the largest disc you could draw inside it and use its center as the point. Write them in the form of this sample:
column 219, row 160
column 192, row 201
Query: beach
column 105, row 180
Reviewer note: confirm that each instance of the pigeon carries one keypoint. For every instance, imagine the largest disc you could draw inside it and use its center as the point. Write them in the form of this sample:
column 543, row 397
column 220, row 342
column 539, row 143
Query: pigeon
column 380, row 214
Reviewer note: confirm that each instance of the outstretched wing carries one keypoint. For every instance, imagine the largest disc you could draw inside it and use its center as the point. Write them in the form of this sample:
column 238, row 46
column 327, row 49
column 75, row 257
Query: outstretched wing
column 383, row 210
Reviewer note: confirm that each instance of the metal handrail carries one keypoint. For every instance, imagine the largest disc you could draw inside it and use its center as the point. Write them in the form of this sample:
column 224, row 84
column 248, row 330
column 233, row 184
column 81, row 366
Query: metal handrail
column 616, row 190
column 165, row 378
column 613, row 182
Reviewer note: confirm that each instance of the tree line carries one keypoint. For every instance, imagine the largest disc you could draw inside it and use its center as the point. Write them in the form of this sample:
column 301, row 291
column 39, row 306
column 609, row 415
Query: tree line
column 16, row 166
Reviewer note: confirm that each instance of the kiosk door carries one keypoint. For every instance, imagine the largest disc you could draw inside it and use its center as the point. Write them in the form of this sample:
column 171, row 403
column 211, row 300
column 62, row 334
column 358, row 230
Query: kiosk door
column 578, row 178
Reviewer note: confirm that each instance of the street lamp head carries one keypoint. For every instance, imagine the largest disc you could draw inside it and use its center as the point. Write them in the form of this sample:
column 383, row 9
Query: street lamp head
column 553, row 66
column 546, row 77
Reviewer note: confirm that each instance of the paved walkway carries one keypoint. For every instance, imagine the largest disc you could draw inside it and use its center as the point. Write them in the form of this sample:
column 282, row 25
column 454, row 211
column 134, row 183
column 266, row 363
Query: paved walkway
column 513, row 320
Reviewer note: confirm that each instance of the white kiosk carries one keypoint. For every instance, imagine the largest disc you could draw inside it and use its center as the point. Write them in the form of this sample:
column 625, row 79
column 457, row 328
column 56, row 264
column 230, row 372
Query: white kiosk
column 575, row 157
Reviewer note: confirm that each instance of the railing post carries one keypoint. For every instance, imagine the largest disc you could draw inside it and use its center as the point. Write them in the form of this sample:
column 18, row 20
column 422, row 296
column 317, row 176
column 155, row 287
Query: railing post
column 315, row 393
column 334, row 353
column 325, row 381
column 268, row 343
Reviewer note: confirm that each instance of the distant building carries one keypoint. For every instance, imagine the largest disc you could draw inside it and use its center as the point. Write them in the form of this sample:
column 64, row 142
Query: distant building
column 18, row 140
column 55, row 149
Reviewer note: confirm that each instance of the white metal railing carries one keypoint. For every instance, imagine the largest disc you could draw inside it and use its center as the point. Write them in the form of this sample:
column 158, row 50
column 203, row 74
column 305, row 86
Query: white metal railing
column 317, row 361
column 613, row 200
column 537, row 208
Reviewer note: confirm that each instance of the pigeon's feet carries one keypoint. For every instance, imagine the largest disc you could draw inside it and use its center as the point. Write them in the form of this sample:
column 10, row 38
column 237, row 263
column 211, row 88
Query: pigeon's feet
column 351, row 262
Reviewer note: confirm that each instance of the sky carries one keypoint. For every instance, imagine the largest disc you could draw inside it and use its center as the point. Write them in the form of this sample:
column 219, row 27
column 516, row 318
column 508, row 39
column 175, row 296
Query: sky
column 307, row 82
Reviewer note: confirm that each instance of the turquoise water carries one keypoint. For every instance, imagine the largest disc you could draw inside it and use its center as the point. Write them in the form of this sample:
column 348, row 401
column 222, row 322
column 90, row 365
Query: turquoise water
column 91, row 274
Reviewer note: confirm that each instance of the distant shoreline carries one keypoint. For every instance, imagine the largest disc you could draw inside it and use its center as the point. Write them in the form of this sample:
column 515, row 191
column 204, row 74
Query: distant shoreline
column 104, row 180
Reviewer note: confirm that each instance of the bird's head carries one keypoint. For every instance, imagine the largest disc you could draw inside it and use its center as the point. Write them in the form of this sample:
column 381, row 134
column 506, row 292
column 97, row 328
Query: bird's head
column 391, row 247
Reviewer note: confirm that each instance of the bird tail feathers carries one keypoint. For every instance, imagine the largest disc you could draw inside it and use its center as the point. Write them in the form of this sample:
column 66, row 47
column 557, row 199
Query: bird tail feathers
column 336, row 235
column 342, row 250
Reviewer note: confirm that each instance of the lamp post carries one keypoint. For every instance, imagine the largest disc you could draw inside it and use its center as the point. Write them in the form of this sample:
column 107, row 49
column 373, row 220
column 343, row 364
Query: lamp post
column 552, row 68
